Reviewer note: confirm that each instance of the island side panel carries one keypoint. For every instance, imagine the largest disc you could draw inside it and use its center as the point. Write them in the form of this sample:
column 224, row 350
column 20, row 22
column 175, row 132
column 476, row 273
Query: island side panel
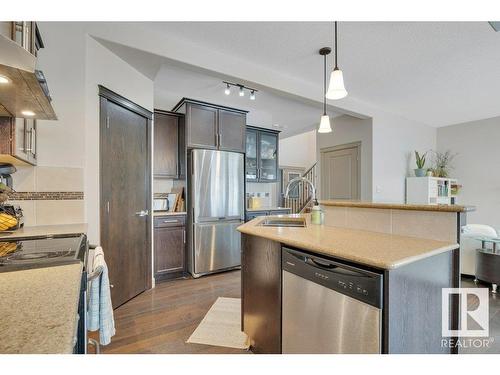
column 261, row 293
column 412, row 305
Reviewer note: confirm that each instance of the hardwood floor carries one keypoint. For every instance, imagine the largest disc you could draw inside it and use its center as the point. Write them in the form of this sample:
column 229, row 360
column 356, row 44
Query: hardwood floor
column 494, row 314
column 160, row 320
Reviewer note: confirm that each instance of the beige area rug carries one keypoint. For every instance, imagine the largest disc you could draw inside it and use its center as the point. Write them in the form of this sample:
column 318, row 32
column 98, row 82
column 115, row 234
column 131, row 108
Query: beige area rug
column 221, row 326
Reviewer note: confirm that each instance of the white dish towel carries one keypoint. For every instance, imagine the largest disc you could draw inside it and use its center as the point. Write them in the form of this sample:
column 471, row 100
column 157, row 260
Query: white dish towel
column 100, row 310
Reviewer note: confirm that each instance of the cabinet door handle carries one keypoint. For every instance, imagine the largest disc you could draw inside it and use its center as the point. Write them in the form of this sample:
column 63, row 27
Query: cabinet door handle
column 170, row 221
column 142, row 213
column 33, row 141
column 28, row 149
column 184, row 236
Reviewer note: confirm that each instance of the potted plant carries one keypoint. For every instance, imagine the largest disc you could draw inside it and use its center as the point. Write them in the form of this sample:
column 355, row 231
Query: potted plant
column 443, row 163
column 420, row 171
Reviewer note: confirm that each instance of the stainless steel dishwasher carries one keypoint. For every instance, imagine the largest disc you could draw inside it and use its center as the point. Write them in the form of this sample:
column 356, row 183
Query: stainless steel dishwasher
column 329, row 306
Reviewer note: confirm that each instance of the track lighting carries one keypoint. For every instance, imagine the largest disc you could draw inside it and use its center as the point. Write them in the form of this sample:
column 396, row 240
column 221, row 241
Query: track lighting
column 241, row 89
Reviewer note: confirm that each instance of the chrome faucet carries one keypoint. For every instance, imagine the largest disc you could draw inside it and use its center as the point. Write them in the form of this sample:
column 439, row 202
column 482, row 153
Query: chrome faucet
column 300, row 179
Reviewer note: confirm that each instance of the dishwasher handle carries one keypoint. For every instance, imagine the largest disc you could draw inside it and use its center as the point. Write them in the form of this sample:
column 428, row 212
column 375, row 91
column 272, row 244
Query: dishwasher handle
column 326, row 265
column 333, row 268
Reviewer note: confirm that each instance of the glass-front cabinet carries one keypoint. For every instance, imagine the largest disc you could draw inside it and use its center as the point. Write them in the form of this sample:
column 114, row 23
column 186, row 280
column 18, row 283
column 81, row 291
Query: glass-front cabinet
column 261, row 155
column 251, row 155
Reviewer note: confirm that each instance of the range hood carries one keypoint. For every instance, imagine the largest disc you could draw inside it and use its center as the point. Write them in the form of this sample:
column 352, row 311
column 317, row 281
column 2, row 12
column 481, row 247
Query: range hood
column 24, row 89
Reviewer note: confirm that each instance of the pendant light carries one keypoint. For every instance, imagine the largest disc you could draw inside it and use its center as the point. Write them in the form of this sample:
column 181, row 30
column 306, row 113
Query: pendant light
column 336, row 89
column 324, row 124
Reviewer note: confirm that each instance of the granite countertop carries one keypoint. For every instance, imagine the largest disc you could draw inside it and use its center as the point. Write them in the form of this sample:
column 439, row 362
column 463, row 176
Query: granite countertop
column 267, row 209
column 380, row 250
column 45, row 230
column 400, row 206
column 38, row 309
column 167, row 213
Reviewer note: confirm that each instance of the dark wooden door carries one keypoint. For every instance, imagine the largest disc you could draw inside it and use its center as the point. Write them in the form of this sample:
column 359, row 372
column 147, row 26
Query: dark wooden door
column 232, row 128
column 169, row 251
column 201, row 126
column 125, row 181
column 166, row 145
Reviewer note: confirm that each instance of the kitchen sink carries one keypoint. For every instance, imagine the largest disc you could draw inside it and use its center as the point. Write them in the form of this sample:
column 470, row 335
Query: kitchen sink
column 293, row 222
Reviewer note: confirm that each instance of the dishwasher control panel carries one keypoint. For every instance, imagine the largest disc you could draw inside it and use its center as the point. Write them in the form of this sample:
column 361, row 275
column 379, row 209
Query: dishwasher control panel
column 356, row 282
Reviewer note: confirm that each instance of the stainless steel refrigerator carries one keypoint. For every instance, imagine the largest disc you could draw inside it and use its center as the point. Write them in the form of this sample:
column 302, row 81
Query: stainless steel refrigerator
column 216, row 208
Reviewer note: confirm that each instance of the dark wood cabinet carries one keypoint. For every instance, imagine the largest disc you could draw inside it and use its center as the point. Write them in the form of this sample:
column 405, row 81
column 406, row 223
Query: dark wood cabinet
column 169, row 247
column 210, row 126
column 261, row 293
column 169, row 150
column 232, row 126
column 262, row 147
column 201, row 126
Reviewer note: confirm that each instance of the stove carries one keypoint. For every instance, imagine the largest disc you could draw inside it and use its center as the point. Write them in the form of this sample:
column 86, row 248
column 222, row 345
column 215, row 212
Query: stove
column 24, row 253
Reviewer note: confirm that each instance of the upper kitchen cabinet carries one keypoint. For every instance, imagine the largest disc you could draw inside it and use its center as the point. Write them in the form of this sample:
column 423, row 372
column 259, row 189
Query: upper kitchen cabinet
column 169, row 150
column 23, row 89
column 261, row 155
column 210, row 126
column 232, row 127
column 18, row 139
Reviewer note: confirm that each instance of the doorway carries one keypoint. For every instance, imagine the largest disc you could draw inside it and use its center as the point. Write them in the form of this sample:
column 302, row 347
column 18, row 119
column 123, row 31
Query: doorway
column 341, row 172
column 125, row 194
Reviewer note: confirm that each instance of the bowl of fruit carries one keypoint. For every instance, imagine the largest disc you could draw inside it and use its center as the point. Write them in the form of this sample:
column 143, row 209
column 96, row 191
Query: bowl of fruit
column 7, row 221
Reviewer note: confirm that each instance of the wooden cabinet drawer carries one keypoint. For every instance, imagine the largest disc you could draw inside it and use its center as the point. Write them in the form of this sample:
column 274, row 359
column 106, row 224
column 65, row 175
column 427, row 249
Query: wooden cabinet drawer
column 169, row 253
column 169, row 221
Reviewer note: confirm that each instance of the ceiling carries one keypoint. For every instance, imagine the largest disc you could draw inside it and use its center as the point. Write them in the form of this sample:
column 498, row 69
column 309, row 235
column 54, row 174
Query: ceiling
column 435, row 73
column 268, row 110
column 173, row 81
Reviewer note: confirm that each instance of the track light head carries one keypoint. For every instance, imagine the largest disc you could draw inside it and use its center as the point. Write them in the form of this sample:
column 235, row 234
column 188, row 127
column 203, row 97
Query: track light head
column 227, row 90
column 252, row 95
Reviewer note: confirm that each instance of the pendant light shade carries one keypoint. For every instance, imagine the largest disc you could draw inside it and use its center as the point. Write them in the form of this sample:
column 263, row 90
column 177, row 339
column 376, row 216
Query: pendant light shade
column 336, row 88
column 324, row 125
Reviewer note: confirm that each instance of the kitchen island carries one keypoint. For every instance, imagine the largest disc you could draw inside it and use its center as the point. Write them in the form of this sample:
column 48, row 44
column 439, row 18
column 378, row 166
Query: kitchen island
column 412, row 271
column 38, row 309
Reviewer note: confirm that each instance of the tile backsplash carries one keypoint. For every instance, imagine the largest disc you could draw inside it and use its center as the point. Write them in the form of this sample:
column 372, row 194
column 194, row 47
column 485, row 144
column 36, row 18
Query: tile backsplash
column 49, row 195
column 267, row 191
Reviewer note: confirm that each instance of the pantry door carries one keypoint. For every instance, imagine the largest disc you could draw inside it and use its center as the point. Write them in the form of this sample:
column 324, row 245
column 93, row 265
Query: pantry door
column 125, row 201
column 340, row 172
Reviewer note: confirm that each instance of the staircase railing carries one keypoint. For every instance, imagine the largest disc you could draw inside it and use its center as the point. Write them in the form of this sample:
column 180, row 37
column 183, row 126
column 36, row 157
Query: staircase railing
column 304, row 199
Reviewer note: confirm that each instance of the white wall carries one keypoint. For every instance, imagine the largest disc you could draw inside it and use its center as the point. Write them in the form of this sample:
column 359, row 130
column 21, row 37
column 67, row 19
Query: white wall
column 348, row 129
column 298, row 150
column 394, row 141
column 105, row 68
column 62, row 142
column 75, row 64
column 476, row 166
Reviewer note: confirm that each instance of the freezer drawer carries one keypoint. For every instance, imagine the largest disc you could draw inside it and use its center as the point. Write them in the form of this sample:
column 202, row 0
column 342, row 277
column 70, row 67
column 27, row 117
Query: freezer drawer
column 217, row 246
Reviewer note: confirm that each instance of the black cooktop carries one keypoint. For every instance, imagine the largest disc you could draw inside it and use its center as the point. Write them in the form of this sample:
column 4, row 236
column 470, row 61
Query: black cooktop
column 26, row 253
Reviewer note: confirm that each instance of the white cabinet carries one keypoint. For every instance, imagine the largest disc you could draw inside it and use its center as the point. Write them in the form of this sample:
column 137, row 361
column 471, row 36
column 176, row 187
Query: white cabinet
column 429, row 190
